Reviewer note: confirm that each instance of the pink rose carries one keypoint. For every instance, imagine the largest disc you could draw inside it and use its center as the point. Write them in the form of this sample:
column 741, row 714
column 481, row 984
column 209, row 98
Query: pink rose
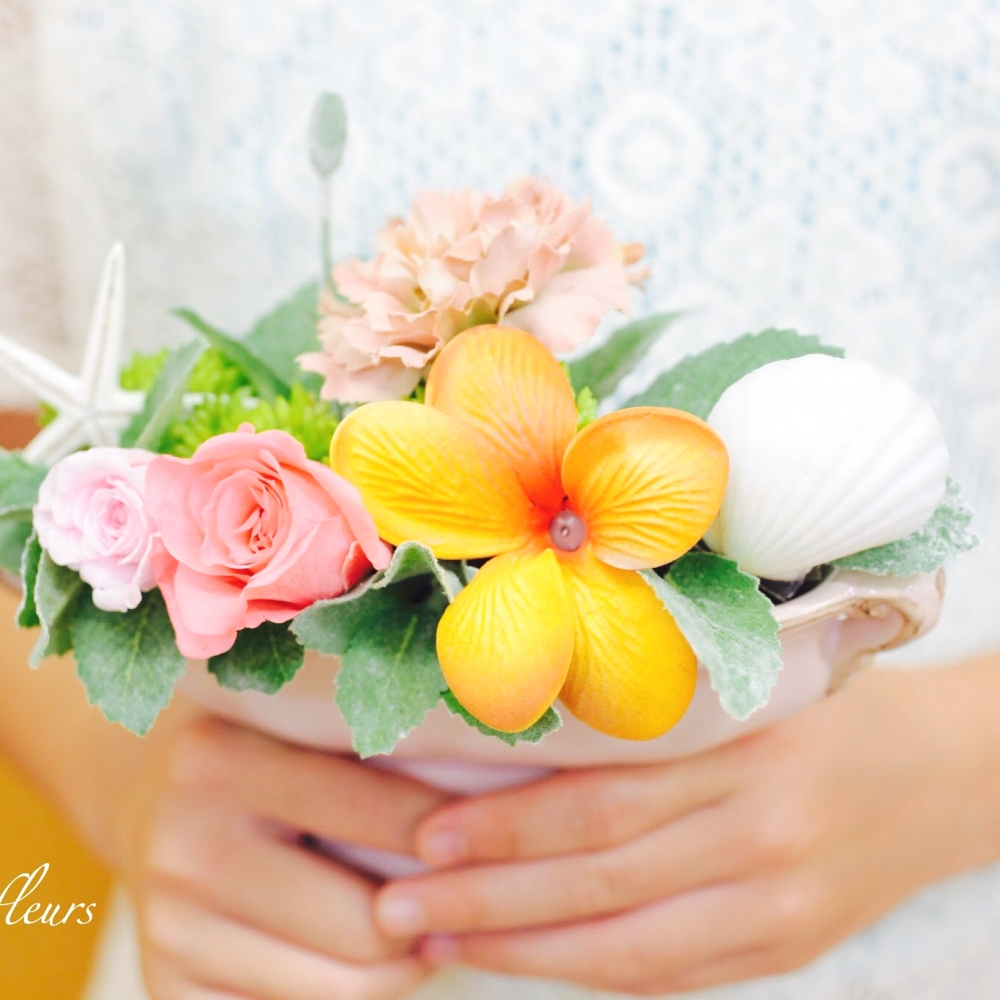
column 253, row 531
column 531, row 259
column 92, row 517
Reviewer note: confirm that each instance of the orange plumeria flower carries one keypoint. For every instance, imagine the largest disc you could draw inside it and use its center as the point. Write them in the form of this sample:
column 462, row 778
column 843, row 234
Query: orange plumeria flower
column 493, row 465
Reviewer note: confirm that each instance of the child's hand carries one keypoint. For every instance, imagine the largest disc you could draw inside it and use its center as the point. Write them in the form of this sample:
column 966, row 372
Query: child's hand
column 229, row 904
column 743, row 861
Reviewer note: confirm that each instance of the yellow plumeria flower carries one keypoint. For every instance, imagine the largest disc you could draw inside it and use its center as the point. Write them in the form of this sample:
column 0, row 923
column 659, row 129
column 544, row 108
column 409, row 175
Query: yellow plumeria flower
column 493, row 465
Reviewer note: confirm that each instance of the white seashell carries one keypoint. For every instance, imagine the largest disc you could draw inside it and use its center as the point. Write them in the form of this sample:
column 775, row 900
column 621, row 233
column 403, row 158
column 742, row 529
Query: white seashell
column 828, row 457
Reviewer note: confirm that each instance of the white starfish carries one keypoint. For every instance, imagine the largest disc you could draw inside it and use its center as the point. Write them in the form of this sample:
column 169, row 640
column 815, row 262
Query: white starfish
column 92, row 407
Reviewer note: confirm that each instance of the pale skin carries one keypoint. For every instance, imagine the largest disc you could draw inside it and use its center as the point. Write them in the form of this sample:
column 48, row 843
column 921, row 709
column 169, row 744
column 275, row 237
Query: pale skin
column 744, row 861
column 617, row 878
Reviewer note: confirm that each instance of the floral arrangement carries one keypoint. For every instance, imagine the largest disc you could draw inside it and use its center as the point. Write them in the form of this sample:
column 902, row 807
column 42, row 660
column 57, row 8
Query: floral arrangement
column 402, row 469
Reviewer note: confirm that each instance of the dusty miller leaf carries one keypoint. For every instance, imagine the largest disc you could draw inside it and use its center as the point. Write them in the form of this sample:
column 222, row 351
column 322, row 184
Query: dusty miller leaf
column 27, row 613
column 548, row 723
column 948, row 533
column 15, row 529
column 57, row 594
column 19, row 482
column 696, row 382
column 128, row 662
column 729, row 624
column 264, row 658
column 385, row 633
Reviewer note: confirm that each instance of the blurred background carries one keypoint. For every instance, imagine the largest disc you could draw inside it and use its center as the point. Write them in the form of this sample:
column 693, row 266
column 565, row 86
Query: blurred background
column 831, row 165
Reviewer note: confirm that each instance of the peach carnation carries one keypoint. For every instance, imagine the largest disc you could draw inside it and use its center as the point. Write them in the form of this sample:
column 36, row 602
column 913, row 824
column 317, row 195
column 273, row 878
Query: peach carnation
column 530, row 259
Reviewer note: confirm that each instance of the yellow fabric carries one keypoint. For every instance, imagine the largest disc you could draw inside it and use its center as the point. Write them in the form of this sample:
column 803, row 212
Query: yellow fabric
column 41, row 962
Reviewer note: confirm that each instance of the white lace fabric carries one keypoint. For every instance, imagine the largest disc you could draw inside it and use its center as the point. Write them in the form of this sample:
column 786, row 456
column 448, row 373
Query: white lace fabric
column 830, row 165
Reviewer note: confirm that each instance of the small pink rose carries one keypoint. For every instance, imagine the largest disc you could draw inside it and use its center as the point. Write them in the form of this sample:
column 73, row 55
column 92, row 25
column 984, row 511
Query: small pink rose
column 253, row 531
column 91, row 516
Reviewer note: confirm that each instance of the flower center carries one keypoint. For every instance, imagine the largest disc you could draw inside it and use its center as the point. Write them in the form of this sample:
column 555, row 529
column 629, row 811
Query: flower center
column 567, row 531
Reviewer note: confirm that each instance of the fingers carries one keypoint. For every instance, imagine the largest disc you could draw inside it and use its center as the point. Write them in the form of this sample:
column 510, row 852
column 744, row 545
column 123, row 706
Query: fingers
column 306, row 790
column 582, row 811
column 630, row 951
column 700, row 848
column 234, row 868
column 224, row 956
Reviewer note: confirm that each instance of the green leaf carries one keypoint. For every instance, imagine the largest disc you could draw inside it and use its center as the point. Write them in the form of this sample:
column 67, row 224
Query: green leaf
column 148, row 428
column 27, row 613
column 605, row 366
column 548, row 723
column 15, row 529
column 327, row 134
column 412, row 559
column 586, row 408
column 729, row 624
column 58, row 592
column 389, row 677
column 949, row 532
column 128, row 662
column 141, row 370
column 264, row 380
column 285, row 333
column 19, row 481
column 264, row 658
column 697, row 381
column 385, row 633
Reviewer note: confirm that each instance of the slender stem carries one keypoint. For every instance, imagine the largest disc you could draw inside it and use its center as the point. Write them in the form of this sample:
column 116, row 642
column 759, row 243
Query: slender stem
column 326, row 231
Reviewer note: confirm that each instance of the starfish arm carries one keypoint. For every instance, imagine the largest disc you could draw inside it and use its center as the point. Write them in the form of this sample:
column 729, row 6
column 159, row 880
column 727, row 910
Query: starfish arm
column 106, row 336
column 65, row 434
column 42, row 377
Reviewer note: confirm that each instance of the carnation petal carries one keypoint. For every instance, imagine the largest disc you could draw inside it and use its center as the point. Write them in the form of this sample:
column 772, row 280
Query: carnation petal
column 566, row 311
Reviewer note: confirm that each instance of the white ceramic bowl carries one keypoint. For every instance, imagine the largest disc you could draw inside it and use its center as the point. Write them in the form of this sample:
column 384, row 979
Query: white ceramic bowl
column 826, row 635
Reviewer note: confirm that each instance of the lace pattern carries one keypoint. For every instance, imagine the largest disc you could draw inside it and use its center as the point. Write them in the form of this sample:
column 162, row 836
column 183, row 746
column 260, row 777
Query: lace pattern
column 832, row 165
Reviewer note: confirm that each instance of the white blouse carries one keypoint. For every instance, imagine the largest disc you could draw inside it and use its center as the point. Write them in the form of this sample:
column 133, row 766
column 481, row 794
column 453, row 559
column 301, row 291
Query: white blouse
column 830, row 165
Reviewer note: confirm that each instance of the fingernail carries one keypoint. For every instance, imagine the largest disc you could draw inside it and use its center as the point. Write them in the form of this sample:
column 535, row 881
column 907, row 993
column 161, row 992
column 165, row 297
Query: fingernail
column 445, row 847
column 401, row 915
column 441, row 949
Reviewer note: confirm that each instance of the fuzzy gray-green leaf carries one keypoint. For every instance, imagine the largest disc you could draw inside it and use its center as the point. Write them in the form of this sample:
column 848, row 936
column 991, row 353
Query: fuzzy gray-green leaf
column 128, row 662
column 948, row 533
column 264, row 658
column 31, row 557
column 548, row 723
column 58, row 592
column 389, row 677
column 729, row 624
column 696, row 382
column 604, row 367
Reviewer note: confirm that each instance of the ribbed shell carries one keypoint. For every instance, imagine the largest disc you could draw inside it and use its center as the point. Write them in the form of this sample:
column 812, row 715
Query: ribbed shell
column 828, row 457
